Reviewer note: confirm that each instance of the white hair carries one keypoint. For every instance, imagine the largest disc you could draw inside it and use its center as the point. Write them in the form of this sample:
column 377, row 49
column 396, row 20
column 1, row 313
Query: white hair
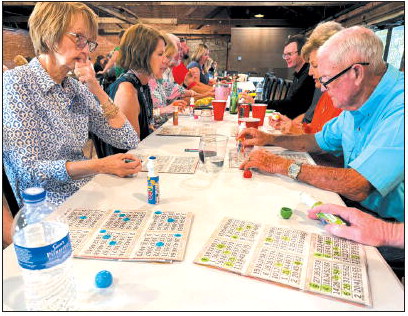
column 352, row 45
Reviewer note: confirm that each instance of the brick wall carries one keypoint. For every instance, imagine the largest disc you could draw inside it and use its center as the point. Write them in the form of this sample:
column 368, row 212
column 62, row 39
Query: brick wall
column 218, row 49
column 18, row 42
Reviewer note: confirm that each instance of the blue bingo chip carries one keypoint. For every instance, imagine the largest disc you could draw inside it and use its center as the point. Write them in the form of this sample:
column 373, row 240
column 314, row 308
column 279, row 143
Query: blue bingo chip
column 103, row 279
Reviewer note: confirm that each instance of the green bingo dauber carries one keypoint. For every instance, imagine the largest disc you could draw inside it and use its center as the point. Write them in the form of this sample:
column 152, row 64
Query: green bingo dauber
column 325, row 218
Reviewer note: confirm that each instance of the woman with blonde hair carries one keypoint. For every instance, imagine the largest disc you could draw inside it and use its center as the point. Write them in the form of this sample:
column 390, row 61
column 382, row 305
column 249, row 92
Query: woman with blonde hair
column 164, row 92
column 198, row 59
column 47, row 115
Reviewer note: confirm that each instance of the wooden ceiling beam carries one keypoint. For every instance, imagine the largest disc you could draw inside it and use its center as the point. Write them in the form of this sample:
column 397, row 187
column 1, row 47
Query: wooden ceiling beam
column 372, row 12
column 197, row 21
column 130, row 12
column 232, row 22
column 225, row 4
column 109, row 20
column 114, row 13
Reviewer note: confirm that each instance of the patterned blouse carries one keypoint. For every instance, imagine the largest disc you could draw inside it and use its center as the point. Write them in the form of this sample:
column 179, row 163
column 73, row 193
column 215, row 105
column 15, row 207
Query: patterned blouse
column 45, row 125
column 164, row 92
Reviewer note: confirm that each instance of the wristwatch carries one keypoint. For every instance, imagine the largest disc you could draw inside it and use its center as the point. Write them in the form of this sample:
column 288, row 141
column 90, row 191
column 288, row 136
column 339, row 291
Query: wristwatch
column 294, row 170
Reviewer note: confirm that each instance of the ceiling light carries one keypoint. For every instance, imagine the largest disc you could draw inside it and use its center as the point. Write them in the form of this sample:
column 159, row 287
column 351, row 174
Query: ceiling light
column 259, row 15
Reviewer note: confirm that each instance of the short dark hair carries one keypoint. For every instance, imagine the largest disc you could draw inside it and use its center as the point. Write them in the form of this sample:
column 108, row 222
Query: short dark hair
column 299, row 39
column 182, row 40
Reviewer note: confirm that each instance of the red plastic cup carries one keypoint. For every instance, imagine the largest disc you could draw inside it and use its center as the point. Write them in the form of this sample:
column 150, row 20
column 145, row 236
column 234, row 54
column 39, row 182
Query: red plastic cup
column 243, row 111
column 251, row 121
column 219, row 109
column 258, row 111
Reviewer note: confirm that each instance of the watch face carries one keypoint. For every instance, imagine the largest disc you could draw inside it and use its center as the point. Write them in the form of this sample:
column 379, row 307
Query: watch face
column 294, row 170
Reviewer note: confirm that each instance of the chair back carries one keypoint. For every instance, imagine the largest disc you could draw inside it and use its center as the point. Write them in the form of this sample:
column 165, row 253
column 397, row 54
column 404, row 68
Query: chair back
column 279, row 89
column 9, row 194
column 273, row 90
column 288, row 85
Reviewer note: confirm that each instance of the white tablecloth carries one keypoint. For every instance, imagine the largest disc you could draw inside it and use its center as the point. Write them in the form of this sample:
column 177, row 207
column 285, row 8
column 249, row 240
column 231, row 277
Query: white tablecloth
column 184, row 286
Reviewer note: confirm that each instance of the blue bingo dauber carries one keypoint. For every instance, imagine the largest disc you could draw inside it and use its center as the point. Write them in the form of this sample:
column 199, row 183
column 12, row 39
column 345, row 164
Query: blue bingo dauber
column 103, row 279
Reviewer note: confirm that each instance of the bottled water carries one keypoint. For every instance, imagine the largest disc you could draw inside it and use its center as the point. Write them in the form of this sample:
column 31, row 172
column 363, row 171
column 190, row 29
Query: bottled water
column 259, row 90
column 44, row 252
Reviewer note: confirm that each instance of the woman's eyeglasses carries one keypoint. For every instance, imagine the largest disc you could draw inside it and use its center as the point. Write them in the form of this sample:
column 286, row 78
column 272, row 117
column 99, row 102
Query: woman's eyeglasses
column 82, row 41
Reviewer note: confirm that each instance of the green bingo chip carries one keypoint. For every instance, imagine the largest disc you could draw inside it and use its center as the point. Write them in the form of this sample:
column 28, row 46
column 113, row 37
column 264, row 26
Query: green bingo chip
column 286, row 212
column 330, row 219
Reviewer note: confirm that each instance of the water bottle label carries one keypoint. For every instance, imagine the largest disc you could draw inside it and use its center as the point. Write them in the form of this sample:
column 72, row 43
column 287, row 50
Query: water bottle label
column 44, row 257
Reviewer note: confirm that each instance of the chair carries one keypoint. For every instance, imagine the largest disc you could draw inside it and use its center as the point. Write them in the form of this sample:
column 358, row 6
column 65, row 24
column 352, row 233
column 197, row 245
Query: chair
column 267, row 88
column 232, row 73
column 279, row 89
column 9, row 194
column 273, row 89
column 284, row 90
column 98, row 144
column 288, row 85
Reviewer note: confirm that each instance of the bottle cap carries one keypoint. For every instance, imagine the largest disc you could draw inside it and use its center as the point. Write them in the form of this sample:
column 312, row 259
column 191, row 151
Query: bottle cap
column 34, row 195
column 152, row 157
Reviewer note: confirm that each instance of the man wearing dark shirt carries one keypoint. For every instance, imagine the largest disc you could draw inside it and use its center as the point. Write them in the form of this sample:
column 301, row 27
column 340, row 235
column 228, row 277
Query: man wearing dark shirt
column 301, row 91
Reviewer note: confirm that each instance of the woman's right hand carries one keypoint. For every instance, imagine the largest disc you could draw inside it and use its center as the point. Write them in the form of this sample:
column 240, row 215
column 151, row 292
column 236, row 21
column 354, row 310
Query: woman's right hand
column 85, row 72
column 247, row 98
column 117, row 165
column 193, row 75
column 277, row 121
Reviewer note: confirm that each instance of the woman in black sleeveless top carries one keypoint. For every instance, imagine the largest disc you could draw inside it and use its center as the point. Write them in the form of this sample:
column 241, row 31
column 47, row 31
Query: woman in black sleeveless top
column 142, row 53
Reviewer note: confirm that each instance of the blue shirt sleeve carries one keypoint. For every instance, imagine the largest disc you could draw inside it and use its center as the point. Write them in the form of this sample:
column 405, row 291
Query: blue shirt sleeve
column 382, row 161
column 329, row 138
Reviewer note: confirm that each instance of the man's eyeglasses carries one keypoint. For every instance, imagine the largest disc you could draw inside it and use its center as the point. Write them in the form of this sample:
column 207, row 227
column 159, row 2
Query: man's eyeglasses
column 326, row 83
column 289, row 54
column 82, row 41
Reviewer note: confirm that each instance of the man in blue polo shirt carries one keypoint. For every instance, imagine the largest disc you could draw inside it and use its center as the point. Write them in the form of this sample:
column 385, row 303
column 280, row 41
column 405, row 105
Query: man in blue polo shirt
column 369, row 133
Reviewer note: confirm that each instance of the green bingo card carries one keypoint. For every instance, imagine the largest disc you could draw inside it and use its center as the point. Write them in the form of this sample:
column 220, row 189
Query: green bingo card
column 312, row 262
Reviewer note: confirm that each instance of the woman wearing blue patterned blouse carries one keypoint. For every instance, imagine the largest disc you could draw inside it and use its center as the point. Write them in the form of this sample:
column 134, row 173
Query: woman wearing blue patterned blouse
column 47, row 115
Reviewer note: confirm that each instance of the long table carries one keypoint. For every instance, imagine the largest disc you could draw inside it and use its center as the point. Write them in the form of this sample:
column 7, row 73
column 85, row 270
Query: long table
column 185, row 286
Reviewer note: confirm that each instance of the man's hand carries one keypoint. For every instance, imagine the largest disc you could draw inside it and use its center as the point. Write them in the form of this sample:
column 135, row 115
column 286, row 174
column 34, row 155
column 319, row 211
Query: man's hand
column 364, row 228
column 254, row 137
column 266, row 161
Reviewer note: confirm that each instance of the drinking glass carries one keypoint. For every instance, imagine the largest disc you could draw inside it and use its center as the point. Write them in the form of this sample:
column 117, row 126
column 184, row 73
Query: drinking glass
column 212, row 152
